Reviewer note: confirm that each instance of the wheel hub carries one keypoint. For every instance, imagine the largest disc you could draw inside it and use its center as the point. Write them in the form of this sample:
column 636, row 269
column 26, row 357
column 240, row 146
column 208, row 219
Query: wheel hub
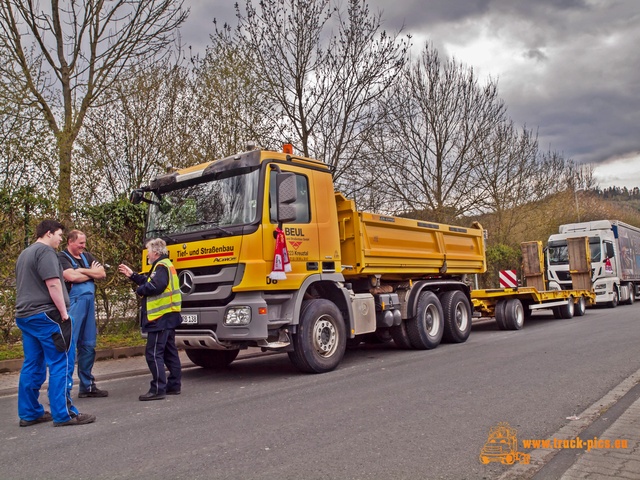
column 325, row 336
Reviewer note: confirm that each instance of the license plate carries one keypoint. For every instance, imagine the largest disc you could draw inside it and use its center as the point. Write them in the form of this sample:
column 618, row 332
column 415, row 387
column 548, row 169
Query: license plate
column 189, row 318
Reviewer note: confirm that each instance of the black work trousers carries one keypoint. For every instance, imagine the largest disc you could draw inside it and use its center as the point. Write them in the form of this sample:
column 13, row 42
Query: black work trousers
column 161, row 351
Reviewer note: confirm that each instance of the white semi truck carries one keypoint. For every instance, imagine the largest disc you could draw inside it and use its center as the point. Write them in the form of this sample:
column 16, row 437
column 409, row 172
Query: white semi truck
column 615, row 259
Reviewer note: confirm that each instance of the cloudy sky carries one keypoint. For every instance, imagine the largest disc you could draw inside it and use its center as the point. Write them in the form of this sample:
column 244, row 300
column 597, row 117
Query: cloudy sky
column 568, row 68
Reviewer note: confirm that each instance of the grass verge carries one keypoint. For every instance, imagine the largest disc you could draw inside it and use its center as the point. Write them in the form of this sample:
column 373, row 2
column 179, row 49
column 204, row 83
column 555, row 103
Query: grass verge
column 12, row 351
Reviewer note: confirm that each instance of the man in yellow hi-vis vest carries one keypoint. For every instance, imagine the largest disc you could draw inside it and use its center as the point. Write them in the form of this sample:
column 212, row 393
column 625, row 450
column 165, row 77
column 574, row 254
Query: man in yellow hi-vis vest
column 160, row 315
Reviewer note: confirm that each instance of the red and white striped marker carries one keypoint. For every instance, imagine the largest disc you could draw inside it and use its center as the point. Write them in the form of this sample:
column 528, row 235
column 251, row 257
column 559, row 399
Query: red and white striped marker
column 508, row 279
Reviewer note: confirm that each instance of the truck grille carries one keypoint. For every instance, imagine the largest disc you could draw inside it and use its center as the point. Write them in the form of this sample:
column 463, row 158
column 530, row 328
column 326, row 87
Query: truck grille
column 208, row 286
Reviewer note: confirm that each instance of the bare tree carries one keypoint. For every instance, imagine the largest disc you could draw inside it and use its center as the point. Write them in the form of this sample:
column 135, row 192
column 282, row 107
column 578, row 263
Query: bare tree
column 231, row 108
column 82, row 48
column 324, row 68
column 511, row 176
column 140, row 130
column 436, row 120
column 25, row 142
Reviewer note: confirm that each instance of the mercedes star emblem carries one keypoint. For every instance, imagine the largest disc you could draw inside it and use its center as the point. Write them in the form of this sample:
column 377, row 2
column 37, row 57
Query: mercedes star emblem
column 187, row 284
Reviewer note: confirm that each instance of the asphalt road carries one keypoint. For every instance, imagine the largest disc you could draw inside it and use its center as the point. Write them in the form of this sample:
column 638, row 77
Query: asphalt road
column 383, row 414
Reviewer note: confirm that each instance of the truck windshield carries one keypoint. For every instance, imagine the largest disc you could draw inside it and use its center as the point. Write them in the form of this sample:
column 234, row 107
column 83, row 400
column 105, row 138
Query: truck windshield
column 210, row 205
column 558, row 252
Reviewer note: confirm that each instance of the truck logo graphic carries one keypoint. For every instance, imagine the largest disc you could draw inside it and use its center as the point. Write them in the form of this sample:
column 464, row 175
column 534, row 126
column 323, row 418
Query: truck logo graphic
column 502, row 446
column 185, row 280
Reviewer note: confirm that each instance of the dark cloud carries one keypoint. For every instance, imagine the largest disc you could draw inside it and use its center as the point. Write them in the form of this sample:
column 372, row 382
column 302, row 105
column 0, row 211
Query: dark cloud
column 568, row 68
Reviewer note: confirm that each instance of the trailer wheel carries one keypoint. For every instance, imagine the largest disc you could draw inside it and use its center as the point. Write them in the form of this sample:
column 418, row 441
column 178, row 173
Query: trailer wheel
column 513, row 314
column 500, row 314
column 211, row 359
column 580, row 308
column 510, row 314
column 426, row 328
column 457, row 316
column 565, row 311
column 400, row 336
column 321, row 339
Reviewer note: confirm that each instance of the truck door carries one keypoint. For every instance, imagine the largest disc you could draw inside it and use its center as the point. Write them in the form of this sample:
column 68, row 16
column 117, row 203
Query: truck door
column 610, row 263
column 301, row 234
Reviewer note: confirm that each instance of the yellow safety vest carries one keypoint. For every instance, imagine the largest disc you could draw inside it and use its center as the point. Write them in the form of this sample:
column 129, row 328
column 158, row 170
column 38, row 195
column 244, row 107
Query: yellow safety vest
column 168, row 301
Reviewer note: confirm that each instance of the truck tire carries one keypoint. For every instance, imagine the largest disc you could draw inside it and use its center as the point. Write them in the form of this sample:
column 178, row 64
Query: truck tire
column 321, row 339
column 501, row 315
column 211, row 359
column 426, row 328
column 580, row 307
column 400, row 336
column 457, row 316
column 632, row 293
column 614, row 303
column 513, row 314
column 565, row 311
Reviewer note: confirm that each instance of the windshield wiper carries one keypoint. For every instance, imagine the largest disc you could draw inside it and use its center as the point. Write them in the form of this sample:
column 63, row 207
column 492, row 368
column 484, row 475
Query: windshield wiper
column 210, row 224
column 161, row 232
column 156, row 230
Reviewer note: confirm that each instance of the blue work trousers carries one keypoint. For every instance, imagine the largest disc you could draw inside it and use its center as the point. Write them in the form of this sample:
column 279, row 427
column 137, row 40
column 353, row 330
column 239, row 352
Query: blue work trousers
column 40, row 334
column 83, row 314
column 160, row 351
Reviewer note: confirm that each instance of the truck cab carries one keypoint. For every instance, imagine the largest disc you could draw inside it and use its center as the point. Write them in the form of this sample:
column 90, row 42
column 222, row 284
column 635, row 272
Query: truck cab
column 608, row 274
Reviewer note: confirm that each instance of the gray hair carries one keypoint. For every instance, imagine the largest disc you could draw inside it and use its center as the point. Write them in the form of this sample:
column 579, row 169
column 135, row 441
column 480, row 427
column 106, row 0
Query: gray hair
column 157, row 245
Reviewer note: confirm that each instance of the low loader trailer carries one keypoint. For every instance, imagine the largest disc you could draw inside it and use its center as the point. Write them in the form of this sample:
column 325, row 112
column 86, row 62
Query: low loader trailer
column 512, row 306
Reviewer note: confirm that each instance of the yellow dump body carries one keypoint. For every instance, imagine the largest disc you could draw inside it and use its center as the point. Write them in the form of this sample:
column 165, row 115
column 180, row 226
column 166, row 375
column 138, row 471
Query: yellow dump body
column 402, row 248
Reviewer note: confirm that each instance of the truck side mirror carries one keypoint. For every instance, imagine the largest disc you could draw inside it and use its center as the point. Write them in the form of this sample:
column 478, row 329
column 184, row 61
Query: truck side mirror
column 136, row 196
column 287, row 193
column 610, row 252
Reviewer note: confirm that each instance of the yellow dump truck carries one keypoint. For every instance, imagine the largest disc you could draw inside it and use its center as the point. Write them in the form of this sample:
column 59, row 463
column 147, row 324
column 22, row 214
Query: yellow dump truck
column 345, row 276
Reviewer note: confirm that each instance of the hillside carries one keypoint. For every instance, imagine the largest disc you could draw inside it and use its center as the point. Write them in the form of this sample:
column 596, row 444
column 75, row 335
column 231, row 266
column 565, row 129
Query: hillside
column 536, row 221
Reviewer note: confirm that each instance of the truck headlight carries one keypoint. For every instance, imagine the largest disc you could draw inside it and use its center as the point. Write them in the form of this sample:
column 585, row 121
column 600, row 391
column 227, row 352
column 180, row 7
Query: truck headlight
column 238, row 316
column 600, row 286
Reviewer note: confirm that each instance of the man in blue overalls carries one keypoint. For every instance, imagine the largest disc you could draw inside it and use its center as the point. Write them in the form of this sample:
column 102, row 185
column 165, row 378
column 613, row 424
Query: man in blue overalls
column 80, row 269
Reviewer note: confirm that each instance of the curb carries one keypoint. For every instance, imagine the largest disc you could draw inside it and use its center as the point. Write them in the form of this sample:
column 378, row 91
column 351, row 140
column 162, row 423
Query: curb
column 8, row 366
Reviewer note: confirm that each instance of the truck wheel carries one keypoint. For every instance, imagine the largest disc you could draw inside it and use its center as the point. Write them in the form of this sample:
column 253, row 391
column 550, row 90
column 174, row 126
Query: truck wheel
column 614, row 303
column 501, row 315
column 632, row 293
column 580, row 307
column 513, row 314
column 566, row 310
column 426, row 328
column 457, row 316
column 321, row 339
column 400, row 336
column 211, row 359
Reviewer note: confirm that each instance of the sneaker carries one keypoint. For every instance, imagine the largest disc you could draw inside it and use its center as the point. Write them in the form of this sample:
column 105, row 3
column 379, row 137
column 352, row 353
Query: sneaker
column 80, row 419
column 151, row 396
column 95, row 392
column 46, row 417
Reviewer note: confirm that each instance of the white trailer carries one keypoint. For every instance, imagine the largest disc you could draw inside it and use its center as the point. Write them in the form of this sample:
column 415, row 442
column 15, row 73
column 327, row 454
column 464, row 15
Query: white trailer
column 615, row 259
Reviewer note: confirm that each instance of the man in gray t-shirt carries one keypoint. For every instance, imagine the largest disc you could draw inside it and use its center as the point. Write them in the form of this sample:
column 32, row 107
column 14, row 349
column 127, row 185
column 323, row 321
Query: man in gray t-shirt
column 41, row 315
column 36, row 263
